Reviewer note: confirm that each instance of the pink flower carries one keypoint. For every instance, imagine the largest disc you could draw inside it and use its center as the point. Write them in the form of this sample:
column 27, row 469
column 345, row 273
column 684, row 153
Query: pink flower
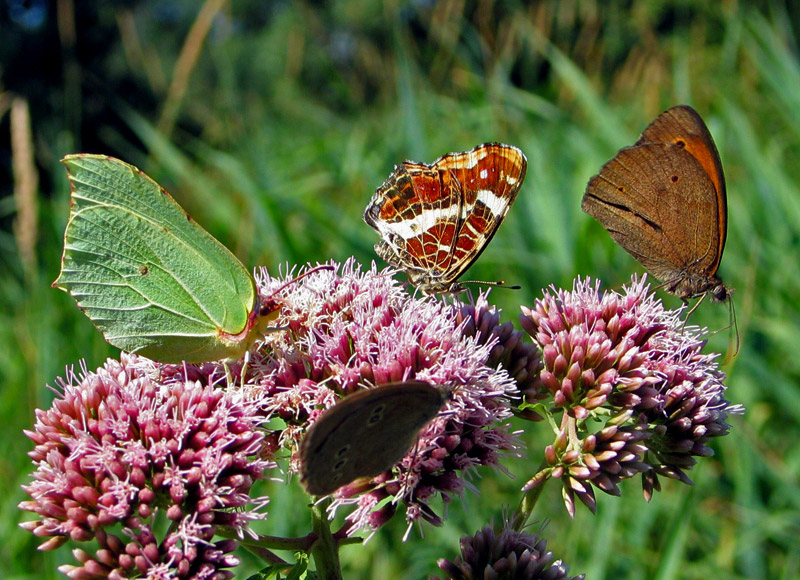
column 522, row 360
column 352, row 330
column 118, row 447
column 636, row 393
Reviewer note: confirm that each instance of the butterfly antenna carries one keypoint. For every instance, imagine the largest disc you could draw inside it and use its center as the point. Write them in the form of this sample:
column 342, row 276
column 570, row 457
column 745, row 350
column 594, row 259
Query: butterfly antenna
column 305, row 274
column 496, row 284
column 735, row 325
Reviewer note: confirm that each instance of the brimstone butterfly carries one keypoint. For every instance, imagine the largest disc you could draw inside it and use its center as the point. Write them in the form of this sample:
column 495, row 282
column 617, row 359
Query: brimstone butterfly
column 148, row 276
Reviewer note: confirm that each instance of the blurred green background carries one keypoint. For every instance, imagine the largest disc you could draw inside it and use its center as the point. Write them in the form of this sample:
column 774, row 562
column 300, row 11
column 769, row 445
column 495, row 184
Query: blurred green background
column 273, row 122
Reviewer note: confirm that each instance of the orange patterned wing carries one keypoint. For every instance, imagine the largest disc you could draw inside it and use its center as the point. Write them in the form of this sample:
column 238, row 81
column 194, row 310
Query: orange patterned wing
column 436, row 219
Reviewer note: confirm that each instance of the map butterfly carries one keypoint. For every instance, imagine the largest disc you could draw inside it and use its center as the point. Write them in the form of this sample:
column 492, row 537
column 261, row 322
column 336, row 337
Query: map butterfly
column 435, row 220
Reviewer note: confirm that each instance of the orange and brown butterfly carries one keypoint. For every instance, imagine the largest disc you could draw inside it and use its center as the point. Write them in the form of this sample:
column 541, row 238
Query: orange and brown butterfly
column 663, row 200
column 435, row 220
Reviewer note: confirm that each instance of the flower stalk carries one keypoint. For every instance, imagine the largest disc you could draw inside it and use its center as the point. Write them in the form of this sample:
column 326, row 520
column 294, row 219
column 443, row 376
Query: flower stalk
column 325, row 549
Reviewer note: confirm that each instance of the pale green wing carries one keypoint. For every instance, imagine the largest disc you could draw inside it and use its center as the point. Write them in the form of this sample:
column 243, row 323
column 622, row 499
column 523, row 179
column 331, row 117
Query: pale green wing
column 149, row 277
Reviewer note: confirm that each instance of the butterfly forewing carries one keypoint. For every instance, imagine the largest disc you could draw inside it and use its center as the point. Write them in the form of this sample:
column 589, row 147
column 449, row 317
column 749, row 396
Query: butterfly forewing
column 683, row 127
column 150, row 278
column 366, row 433
column 488, row 180
column 641, row 223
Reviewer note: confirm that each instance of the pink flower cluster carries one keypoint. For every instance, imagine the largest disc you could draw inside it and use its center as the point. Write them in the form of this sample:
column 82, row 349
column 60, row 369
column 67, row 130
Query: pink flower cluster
column 352, row 330
column 623, row 382
column 119, row 448
column 636, row 392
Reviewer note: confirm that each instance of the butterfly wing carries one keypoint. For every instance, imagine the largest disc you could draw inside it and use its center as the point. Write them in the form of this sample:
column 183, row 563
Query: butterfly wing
column 683, row 127
column 655, row 200
column 663, row 200
column 365, row 434
column 149, row 277
column 417, row 220
column 488, row 179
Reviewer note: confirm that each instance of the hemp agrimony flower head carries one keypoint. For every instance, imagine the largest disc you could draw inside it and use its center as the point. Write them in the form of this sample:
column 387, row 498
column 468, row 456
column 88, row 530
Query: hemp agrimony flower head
column 120, row 453
column 505, row 554
column 634, row 391
column 352, row 330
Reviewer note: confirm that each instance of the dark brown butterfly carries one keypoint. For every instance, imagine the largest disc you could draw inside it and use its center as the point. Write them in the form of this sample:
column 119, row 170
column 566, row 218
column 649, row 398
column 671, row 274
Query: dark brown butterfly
column 366, row 433
column 664, row 201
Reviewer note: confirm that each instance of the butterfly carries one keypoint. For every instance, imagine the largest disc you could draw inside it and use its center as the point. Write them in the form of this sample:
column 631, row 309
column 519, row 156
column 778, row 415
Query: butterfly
column 148, row 276
column 366, row 433
column 435, row 220
column 663, row 200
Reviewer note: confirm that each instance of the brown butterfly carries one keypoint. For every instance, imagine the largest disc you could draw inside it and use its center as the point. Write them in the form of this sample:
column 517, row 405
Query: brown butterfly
column 366, row 433
column 664, row 201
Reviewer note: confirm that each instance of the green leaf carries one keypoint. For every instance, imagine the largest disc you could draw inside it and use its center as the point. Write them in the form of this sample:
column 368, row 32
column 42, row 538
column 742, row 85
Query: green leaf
column 151, row 279
column 299, row 571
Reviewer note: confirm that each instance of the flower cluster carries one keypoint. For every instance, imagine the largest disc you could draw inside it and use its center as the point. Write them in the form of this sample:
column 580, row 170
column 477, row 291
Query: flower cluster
column 351, row 330
column 119, row 448
column 507, row 554
column 137, row 440
column 637, row 394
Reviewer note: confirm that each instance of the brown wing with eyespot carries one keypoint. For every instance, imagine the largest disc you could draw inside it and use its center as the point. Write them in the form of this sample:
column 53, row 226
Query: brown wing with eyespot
column 683, row 126
column 366, row 433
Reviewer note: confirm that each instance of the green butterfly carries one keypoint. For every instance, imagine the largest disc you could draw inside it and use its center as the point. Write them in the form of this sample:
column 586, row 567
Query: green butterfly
column 148, row 276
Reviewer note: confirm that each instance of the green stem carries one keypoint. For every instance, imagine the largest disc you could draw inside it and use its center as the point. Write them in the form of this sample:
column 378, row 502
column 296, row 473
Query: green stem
column 321, row 543
column 325, row 550
column 302, row 544
column 267, row 555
